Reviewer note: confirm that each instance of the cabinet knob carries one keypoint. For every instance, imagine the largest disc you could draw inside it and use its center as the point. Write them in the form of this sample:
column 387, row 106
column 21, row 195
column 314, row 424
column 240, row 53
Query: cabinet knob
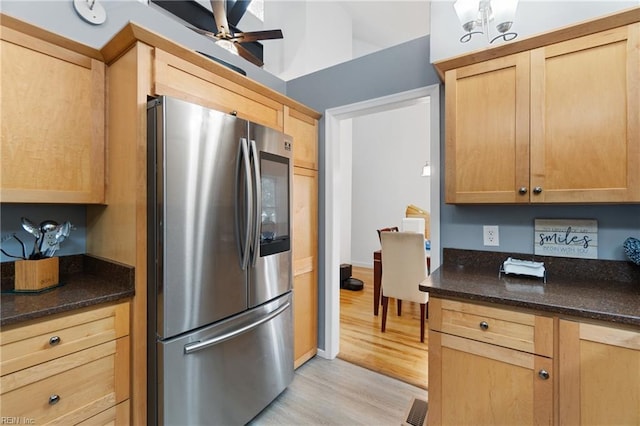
column 54, row 340
column 537, row 190
column 543, row 374
column 54, row 399
column 484, row 325
column 522, row 190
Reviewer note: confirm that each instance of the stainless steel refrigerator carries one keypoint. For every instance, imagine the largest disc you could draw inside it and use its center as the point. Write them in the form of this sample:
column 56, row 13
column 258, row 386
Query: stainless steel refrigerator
column 220, row 342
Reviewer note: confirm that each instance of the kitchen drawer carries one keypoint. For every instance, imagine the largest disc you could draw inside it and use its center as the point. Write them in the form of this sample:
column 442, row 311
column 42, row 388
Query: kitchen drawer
column 118, row 415
column 174, row 76
column 69, row 389
column 27, row 344
column 520, row 330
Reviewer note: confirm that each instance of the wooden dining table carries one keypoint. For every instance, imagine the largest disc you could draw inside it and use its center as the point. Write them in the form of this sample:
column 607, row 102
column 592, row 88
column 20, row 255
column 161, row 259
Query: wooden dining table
column 377, row 278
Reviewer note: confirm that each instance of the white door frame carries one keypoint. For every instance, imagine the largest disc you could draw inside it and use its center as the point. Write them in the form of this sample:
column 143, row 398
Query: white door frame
column 333, row 117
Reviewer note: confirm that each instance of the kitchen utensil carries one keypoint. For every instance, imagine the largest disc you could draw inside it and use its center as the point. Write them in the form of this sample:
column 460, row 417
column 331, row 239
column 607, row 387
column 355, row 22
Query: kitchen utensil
column 46, row 226
column 24, row 248
column 54, row 238
column 34, row 230
column 30, row 227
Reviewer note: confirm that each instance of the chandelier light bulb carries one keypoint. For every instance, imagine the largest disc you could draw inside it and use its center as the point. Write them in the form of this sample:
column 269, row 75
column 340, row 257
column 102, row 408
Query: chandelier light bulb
column 479, row 14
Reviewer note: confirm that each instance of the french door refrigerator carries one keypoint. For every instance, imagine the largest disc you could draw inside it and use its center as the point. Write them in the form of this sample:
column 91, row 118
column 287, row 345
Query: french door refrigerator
column 220, row 343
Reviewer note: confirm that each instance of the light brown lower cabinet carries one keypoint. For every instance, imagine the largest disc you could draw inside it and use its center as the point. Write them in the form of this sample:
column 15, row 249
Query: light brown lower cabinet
column 492, row 364
column 479, row 370
column 599, row 374
column 475, row 383
column 70, row 368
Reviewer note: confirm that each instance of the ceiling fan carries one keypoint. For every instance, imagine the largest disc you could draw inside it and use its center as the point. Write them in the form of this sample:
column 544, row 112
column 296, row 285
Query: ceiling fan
column 230, row 40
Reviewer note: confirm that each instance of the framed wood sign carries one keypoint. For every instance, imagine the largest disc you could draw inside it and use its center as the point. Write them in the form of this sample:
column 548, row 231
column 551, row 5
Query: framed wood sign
column 566, row 238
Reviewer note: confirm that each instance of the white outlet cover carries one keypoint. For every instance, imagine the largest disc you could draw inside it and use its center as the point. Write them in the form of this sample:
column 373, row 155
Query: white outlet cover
column 491, row 235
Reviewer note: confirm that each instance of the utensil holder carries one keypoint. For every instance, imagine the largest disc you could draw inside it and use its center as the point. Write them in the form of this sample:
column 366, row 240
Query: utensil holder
column 35, row 275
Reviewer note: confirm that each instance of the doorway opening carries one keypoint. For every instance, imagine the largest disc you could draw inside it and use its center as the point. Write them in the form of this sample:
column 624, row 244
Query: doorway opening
column 334, row 175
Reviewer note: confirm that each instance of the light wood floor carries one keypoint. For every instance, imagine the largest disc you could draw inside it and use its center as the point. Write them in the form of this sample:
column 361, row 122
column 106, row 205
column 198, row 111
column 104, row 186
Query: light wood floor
column 397, row 352
column 335, row 392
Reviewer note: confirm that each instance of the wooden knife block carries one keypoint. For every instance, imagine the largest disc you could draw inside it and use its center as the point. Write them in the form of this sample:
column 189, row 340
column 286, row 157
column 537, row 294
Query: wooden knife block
column 34, row 275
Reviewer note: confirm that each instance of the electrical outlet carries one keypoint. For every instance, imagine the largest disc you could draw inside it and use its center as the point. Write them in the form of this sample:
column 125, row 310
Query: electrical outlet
column 491, row 235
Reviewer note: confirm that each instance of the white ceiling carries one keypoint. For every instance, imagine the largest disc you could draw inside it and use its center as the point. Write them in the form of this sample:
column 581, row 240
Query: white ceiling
column 372, row 24
column 388, row 23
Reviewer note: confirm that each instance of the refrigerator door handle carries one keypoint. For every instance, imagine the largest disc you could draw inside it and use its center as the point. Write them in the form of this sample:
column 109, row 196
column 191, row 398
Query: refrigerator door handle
column 197, row 346
column 257, row 203
column 244, row 240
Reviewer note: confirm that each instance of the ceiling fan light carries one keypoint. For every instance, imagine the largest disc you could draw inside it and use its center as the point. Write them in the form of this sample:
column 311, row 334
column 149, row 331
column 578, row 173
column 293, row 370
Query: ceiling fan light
column 467, row 11
column 228, row 45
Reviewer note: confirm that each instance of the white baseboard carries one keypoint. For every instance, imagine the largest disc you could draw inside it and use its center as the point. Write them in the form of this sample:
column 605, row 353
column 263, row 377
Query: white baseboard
column 322, row 354
column 363, row 264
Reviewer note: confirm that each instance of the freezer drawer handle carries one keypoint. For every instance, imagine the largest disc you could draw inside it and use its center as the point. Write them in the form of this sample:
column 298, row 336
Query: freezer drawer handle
column 196, row 346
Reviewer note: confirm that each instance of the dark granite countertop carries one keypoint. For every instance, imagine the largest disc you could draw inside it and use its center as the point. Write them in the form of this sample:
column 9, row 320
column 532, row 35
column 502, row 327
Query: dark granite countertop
column 84, row 281
column 595, row 289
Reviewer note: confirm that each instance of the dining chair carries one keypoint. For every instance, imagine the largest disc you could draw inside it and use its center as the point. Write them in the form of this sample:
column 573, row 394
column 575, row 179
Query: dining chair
column 389, row 229
column 404, row 268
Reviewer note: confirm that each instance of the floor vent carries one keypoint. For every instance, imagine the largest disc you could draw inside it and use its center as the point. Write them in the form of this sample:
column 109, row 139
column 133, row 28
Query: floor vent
column 417, row 414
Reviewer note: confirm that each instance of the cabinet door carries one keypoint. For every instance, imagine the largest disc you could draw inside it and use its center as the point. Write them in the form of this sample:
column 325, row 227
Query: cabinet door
column 52, row 109
column 305, row 260
column 487, row 131
column 304, row 130
column 585, row 118
column 475, row 383
column 599, row 375
column 177, row 77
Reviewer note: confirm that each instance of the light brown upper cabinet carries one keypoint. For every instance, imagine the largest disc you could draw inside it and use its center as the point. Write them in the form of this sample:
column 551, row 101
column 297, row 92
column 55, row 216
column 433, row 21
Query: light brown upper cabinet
column 53, row 118
column 181, row 78
column 555, row 124
column 304, row 129
column 487, row 131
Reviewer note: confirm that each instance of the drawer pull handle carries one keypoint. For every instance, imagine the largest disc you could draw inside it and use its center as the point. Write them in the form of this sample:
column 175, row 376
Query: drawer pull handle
column 54, row 399
column 54, row 340
column 523, row 190
column 484, row 325
column 537, row 190
column 544, row 374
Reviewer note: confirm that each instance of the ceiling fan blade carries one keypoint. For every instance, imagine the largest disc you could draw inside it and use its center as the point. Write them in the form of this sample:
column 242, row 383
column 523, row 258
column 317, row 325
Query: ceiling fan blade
column 203, row 32
column 242, row 51
column 248, row 55
column 256, row 35
column 220, row 15
column 237, row 11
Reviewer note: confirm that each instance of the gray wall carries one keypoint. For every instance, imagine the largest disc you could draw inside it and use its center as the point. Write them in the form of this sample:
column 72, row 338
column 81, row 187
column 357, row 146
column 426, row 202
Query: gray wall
column 406, row 67
column 394, row 70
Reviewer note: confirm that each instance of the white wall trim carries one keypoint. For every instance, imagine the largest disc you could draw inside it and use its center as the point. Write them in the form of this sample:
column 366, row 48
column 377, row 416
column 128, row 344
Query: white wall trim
column 333, row 117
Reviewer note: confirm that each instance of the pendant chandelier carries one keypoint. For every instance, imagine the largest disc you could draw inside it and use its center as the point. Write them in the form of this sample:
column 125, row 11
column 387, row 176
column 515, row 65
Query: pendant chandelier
column 478, row 16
